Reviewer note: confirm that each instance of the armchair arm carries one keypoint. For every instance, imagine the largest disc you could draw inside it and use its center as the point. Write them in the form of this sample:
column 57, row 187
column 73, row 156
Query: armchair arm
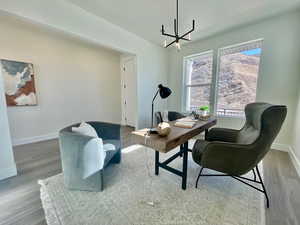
column 107, row 130
column 172, row 116
column 82, row 156
column 222, row 134
column 175, row 115
column 229, row 158
column 71, row 147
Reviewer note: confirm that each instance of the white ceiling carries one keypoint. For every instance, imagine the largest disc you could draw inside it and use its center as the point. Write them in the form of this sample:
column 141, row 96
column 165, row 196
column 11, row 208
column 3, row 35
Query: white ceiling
column 145, row 17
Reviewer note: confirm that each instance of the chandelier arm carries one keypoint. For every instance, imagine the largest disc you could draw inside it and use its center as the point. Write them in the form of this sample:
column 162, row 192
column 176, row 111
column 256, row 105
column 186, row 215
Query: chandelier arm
column 185, row 39
column 175, row 28
column 170, row 43
column 190, row 31
column 169, row 35
column 162, row 29
column 182, row 36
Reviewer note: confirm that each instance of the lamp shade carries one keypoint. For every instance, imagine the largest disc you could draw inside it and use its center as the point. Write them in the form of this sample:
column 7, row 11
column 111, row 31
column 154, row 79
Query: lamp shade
column 164, row 92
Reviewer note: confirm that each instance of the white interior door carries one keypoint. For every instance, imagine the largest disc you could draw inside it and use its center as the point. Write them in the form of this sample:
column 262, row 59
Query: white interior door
column 129, row 92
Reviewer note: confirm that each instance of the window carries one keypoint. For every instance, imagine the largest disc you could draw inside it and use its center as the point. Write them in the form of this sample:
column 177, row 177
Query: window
column 231, row 88
column 237, row 77
column 198, row 78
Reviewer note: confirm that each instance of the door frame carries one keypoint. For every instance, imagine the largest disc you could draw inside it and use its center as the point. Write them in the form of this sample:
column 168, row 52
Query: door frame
column 123, row 61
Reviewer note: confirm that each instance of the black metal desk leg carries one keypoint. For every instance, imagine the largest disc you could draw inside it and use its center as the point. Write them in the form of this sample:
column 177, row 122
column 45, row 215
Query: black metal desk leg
column 205, row 134
column 184, row 165
column 156, row 162
column 181, row 147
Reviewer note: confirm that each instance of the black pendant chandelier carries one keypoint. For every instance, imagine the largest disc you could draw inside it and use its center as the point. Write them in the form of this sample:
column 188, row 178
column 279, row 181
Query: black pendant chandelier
column 176, row 36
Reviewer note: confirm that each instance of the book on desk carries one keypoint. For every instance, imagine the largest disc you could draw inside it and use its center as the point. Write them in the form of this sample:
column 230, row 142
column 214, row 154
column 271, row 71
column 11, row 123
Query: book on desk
column 185, row 122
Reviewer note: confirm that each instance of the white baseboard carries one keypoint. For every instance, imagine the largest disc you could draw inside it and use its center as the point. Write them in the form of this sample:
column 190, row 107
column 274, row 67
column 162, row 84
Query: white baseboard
column 29, row 140
column 295, row 160
column 8, row 172
column 281, row 147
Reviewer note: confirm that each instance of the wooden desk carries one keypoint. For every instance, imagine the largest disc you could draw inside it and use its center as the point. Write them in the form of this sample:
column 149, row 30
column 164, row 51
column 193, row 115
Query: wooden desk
column 177, row 137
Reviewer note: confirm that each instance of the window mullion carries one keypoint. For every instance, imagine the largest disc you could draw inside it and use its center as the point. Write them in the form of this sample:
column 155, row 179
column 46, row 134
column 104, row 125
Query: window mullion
column 214, row 86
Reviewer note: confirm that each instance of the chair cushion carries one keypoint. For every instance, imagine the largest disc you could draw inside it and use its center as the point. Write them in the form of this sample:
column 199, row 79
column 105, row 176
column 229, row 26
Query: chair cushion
column 85, row 129
column 111, row 154
column 93, row 157
column 115, row 142
column 198, row 150
column 109, row 147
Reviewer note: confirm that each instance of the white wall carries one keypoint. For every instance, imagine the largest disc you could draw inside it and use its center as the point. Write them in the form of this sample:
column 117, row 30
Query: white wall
column 75, row 81
column 295, row 148
column 7, row 163
column 279, row 71
column 62, row 15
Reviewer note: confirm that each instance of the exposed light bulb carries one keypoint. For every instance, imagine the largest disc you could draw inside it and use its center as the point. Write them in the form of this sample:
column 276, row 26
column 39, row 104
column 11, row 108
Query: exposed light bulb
column 165, row 43
column 189, row 37
column 177, row 44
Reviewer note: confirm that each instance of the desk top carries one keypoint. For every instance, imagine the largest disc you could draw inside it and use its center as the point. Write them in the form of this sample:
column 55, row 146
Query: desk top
column 176, row 137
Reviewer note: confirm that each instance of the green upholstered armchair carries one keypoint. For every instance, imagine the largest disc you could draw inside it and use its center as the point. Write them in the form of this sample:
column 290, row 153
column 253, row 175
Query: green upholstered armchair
column 72, row 145
column 236, row 152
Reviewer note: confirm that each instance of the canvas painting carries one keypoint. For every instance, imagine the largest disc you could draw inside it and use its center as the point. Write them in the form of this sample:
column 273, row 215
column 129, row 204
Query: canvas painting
column 18, row 83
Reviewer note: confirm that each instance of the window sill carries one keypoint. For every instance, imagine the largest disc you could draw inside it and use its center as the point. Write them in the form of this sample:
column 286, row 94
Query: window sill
column 230, row 117
column 187, row 113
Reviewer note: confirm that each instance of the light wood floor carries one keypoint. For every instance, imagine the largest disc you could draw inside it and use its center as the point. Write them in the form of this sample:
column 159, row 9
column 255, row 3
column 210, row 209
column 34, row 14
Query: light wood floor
column 20, row 201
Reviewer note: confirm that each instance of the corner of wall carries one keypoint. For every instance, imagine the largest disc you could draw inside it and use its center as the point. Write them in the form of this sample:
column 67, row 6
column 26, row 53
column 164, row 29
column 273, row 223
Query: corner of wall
column 8, row 172
column 295, row 160
column 7, row 163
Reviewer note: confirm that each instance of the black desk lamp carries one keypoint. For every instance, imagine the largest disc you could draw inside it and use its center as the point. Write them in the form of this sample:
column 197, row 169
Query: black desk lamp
column 164, row 92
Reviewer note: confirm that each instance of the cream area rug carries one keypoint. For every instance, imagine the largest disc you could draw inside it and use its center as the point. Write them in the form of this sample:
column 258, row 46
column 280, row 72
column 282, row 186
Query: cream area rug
column 133, row 195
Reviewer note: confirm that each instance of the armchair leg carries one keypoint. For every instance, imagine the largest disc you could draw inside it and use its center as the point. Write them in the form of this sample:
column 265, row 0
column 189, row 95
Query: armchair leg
column 181, row 148
column 243, row 180
column 199, row 177
column 156, row 163
column 254, row 174
column 263, row 186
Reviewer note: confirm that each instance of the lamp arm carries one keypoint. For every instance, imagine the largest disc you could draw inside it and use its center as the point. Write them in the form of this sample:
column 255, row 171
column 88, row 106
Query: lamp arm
column 155, row 96
column 153, row 108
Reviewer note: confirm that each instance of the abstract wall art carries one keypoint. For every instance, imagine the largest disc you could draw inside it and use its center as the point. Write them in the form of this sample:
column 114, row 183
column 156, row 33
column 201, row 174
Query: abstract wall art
column 19, row 83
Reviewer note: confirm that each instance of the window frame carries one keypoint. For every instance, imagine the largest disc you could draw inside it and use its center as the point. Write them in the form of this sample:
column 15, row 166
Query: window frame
column 185, row 86
column 214, row 85
column 217, row 75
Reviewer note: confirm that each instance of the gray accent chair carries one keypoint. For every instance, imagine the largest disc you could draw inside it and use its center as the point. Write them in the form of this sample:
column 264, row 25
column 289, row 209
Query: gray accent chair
column 172, row 115
column 71, row 148
column 236, row 152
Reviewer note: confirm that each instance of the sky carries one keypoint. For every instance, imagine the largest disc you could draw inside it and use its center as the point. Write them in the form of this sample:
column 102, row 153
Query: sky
column 255, row 51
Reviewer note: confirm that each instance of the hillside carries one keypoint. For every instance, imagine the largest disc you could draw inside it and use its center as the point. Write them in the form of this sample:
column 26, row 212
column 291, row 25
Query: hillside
column 237, row 81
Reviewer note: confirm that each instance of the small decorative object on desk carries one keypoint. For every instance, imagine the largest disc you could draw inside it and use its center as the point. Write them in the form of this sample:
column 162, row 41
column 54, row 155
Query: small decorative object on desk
column 163, row 129
column 204, row 113
column 195, row 115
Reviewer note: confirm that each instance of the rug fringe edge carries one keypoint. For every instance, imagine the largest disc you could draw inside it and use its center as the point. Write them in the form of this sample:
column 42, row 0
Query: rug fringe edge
column 49, row 209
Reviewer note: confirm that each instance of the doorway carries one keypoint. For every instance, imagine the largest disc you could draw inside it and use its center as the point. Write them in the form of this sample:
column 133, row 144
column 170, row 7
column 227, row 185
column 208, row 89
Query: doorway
column 129, row 91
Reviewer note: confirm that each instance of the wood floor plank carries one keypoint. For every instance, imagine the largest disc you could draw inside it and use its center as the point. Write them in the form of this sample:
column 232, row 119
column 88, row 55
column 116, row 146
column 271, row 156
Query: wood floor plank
column 20, row 197
column 283, row 186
